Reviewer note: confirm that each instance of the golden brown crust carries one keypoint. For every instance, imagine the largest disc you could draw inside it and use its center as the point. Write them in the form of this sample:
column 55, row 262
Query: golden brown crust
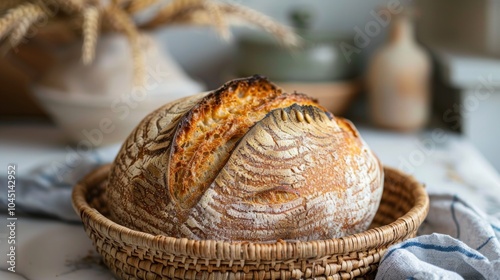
column 298, row 169
column 208, row 133
column 245, row 162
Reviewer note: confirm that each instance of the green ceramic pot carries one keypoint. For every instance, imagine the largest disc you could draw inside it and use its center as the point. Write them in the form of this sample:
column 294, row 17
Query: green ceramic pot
column 319, row 59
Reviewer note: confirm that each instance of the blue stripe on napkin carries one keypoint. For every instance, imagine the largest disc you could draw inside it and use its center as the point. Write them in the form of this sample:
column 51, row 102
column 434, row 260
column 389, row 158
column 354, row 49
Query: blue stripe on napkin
column 455, row 199
column 447, row 249
column 485, row 242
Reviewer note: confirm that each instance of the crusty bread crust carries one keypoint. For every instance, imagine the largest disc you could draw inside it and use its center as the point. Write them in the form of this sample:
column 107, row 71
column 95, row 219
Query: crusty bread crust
column 207, row 134
column 245, row 162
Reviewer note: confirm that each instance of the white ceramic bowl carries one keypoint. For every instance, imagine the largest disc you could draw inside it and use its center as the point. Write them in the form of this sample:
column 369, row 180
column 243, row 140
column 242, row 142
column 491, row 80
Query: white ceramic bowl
column 98, row 103
column 102, row 120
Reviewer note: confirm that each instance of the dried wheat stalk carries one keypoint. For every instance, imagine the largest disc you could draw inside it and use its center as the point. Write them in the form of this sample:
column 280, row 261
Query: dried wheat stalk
column 14, row 16
column 70, row 6
column 137, row 6
column 283, row 33
column 96, row 16
column 219, row 21
column 196, row 12
column 90, row 33
column 121, row 21
column 19, row 32
column 174, row 10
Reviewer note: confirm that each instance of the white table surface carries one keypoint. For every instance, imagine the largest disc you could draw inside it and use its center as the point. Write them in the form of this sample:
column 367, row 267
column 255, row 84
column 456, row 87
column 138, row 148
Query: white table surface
column 50, row 249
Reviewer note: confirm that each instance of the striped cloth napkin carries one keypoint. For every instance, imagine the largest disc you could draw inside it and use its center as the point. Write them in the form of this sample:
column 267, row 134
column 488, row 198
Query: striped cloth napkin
column 456, row 241
column 46, row 190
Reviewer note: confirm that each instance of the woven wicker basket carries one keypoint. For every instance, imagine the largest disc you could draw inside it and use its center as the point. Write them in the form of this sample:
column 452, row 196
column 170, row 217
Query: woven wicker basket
column 132, row 254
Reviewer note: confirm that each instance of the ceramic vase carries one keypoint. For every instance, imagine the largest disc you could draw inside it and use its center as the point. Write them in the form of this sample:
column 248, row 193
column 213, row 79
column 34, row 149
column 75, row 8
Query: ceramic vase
column 398, row 80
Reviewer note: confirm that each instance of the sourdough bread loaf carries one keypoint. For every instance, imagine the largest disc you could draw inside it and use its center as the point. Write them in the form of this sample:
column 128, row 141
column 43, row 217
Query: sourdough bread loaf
column 245, row 162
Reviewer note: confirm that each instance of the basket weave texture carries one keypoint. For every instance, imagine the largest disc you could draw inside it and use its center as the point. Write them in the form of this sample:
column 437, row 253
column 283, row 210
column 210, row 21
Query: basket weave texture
column 132, row 254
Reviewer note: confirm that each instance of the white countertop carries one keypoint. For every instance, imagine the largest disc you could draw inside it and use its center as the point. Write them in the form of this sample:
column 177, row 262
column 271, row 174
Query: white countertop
column 50, row 249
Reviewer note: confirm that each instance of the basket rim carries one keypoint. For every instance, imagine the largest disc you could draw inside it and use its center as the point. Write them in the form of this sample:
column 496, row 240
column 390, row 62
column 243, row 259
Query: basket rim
column 373, row 238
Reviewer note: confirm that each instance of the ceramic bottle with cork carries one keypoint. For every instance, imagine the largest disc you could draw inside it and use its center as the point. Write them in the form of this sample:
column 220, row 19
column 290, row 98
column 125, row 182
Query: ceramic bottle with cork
column 398, row 80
